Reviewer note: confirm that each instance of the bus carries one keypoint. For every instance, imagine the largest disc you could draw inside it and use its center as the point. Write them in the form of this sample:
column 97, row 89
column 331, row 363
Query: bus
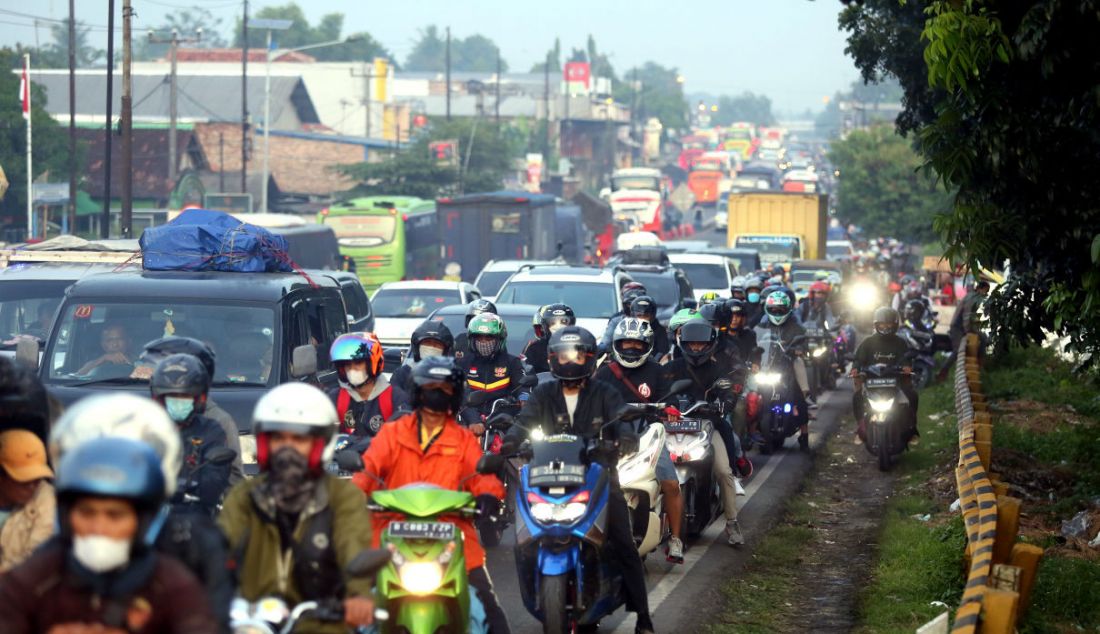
column 386, row 238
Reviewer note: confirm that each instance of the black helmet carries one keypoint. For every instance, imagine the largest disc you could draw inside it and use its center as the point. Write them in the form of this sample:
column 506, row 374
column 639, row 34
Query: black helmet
column 697, row 331
column 644, row 306
column 180, row 374
column 629, row 292
column 632, row 329
column 432, row 330
column 551, row 317
column 734, row 306
column 886, row 320
column 914, row 310
column 156, row 350
column 438, row 370
column 24, row 403
column 478, row 306
column 572, row 354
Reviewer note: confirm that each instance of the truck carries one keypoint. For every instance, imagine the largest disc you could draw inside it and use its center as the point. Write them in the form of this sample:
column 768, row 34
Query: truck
column 637, row 198
column 781, row 226
column 503, row 225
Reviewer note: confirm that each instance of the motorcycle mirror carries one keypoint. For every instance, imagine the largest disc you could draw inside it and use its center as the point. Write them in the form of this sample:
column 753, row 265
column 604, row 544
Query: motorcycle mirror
column 678, row 387
column 490, row 463
column 368, row 562
column 221, row 456
column 477, row 399
column 349, row 460
column 628, row 411
column 529, row 380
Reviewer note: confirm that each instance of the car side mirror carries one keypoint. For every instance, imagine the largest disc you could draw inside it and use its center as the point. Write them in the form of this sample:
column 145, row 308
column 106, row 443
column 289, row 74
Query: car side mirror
column 303, row 361
column 27, row 351
column 368, row 562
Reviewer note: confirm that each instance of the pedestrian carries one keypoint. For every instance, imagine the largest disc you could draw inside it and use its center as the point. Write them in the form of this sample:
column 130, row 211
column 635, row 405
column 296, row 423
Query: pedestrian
column 27, row 503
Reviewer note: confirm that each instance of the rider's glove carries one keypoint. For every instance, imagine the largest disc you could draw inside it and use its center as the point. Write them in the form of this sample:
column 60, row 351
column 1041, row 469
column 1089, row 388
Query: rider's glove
column 487, row 505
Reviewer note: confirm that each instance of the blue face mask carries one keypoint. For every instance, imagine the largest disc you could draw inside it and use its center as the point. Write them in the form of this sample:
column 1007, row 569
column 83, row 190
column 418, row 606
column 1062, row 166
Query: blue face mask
column 754, row 298
column 179, row 409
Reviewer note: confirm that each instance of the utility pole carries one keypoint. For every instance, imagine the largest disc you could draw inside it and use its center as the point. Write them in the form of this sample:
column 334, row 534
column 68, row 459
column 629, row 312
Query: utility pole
column 72, row 116
column 221, row 161
column 497, row 105
column 367, row 75
column 448, row 73
column 244, row 100
column 105, row 220
column 173, row 43
column 546, row 115
column 126, row 117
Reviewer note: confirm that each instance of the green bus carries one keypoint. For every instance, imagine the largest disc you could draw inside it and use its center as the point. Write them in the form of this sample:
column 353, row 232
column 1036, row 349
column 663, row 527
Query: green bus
column 386, row 238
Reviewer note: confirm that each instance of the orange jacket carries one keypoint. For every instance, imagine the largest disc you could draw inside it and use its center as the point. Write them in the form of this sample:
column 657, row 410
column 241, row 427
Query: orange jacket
column 395, row 457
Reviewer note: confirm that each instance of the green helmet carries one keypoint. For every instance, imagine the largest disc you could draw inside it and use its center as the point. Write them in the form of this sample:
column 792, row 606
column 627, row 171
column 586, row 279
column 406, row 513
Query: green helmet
column 682, row 317
column 821, row 275
column 486, row 334
column 708, row 297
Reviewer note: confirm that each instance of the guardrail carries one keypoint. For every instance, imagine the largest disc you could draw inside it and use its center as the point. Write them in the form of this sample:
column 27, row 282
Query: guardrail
column 1001, row 572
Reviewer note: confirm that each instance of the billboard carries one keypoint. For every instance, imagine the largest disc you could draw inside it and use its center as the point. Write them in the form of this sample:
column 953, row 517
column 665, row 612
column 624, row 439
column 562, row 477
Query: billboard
column 578, row 78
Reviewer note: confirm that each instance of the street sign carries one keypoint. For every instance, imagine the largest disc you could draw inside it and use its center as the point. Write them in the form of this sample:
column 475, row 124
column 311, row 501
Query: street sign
column 229, row 203
column 51, row 193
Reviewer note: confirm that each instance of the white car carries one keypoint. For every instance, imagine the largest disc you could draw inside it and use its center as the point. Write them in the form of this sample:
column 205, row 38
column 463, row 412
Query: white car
column 399, row 307
column 706, row 272
column 592, row 293
column 496, row 272
column 839, row 250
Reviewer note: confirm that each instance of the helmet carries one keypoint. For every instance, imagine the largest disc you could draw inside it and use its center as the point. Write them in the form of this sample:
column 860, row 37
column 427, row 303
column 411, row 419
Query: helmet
column 112, row 467
column 821, row 275
column 632, row 329
column 438, row 370
column 708, row 297
column 477, row 307
column 297, row 408
column 716, row 314
column 629, row 292
column 682, row 317
column 123, row 415
column 737, row 287
column 778, row 270
column 913, row 290
column 435, row 331
column 356, row 346
column 486, row 325
column 180, row 374
column 914, row 310
column 820, row 287
column 736, row 306
column 156, row 350
column 572, row 354
column 644, row 306
column 23, row 400
column 697, row 331
column 778, row 307
column 885, row 320
column 551, row 317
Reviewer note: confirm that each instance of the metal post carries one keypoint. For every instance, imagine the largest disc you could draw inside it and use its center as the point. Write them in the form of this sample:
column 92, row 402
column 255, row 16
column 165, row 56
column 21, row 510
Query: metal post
column 221, row 161
column 546, row 115
column 173, row 43
column 105, row 220
column 497, row 105
column 72, row 116
column 244, row 100
column 126, row 116
column 30, row 163
column 267, row 126
column 448, row 73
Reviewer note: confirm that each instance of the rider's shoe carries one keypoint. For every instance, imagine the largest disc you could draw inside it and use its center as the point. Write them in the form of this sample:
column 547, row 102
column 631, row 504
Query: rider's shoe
column 757, row 438
column 804, row 442
column 914, row 440
column 675, row 551
column 737, row 488
column 858, row 440
column 733, row 530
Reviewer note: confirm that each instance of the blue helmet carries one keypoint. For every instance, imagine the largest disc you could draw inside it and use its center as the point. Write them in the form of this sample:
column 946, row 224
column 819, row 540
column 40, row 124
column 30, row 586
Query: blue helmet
column 113, row 467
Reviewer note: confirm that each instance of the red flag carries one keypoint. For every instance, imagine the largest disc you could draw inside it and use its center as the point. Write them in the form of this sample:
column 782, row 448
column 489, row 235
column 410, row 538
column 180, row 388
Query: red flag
column 25, row 91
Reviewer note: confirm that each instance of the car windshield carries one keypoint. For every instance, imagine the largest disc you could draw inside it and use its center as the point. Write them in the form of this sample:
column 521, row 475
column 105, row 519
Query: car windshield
column 490, row 282
column 660, row 286
column 838, row 249
column 635, row 182
column 27, row 309
column 703, row 275
column 363, row 231
column 802, row 277
column 411, row 302
column 765, row 245
column 588, row 300
column 102, row 341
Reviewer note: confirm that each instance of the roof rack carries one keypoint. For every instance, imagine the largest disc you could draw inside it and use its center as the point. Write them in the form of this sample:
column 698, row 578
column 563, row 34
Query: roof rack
column 654, row 256
column 9, row 256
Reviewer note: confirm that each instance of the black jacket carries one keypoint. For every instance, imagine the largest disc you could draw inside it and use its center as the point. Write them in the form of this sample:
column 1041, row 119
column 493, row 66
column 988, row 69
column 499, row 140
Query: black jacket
column 703, row 379
column 365, row 418
column 198, row 438
column 500, row 374
column 650, row 379
column 535, row 355
column 597, row 404
column 888, row 349
column 738, row 346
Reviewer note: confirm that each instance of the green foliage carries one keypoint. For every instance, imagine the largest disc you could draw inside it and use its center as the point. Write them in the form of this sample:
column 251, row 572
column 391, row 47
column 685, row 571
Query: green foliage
column 56, row 53
column 187, row 23
column 475, row 53
column 553, row 57
column 744, row 107
column 1065, row 594
column 413, row 172
column 651, row 90
column 830, row 121
column 301, row 33
column 882, row 188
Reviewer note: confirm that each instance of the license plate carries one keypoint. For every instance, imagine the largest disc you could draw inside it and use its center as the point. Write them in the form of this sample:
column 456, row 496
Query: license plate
column 686, row 426
column 886, row 382
column 421, row 530
column 334, row 469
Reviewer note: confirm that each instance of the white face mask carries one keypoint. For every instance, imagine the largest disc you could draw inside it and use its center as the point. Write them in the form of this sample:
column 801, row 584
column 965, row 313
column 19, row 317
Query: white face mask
column 429, row 351
column 101, row 554
column 356, row 377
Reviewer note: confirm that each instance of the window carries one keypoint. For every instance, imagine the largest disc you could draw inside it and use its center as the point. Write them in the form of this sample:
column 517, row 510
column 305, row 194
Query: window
column 588, row 300
column 703, row 275
column 662, row 287
column 411, row 302
column 490, row 281
column 363, row 231
column 505, row 222
column 27, row 309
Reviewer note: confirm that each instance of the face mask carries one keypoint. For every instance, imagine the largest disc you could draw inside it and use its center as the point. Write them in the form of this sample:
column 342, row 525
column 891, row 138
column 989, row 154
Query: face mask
column 101, row 554
column 356, row 377
column 429, row 351
column 289, row 480
column 179, row 409
column 485, row 347
column 435, row 400
column 754, row 298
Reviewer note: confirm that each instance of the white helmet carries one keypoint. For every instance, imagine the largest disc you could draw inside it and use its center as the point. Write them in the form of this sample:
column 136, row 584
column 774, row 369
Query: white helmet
column 297, row 408
column 122, row 415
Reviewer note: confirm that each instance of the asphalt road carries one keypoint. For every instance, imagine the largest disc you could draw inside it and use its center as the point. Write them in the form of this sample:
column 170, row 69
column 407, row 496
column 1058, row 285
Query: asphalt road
column 684, row 597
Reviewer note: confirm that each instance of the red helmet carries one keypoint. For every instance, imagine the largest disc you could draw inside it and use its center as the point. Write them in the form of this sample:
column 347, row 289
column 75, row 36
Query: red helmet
column 820, row 287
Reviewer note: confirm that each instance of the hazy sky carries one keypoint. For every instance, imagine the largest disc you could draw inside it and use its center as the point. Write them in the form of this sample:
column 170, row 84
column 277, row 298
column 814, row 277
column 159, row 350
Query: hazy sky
column 789, row 50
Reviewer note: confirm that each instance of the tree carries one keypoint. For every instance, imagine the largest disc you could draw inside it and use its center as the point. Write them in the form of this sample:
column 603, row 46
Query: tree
column 554, row 57
column 830, row 122
column 50, row 143
column 475, row 53
column 744, row 107
column 652, row 90
column 429, row 53
column 300, row 33
column 414, row 172
column 882, row 188
column 56, row 53
column 186, row 22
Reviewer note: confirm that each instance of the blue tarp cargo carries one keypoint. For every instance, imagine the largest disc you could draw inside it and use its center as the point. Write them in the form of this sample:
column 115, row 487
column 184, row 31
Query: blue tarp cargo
column 206, row 240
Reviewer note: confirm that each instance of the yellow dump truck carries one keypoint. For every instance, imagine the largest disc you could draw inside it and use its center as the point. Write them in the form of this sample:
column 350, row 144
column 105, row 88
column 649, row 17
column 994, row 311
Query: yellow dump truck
column 780, row 226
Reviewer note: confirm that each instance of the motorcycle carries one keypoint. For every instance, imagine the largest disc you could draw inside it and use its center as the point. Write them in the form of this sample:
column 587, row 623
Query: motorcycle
column 690, row 441
column 819, row 366
column 271, row 615
column 638, row 478
column 776, row 384
column 922, row 352
column 886, row 426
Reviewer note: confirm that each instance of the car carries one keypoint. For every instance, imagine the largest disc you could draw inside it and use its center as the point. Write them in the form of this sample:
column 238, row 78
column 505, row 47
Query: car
column 839, row 250
column 360, row 315
column 685, row 246
column 496, row 272
column 399, row 307
column 706, row 271
column 746, row 260
column 593, row 293
column 663, row 281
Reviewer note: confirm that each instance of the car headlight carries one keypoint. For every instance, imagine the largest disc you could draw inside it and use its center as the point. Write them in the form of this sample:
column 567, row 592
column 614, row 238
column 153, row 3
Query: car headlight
column 421, row 577
column 881, row 405
column 768, row 378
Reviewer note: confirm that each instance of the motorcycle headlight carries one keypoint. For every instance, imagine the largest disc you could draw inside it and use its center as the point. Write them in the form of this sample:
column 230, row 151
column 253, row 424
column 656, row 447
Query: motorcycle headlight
column 864, row 295
column 819, row 352
column 768, row 378
column 536, row 434
column 567, row 513
column 697, row 449
column 881, row 405
column 421, row 577
column 542, row 511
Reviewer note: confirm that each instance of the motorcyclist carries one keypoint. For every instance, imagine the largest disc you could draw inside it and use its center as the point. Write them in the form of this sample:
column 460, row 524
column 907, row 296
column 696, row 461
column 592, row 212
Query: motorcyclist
column 473, row 309
column 739, row 339
column 576, row 402
column 428, row 445
column 815, row 311
column 180, row 385
column 640, row 379
column 755, row 305
column 430, row 339
column 644, row 308
column 627, row 295
column 547, row 320
column 885, row 347
column 365, row 399
column 488, row 368
column 678, row 319
column 712, row 380
column 26, row 497
column 737, row 288
column 99, row 574
column 915, row 312
column 192, row 538
column 780, row 326
column 155, row 351
column 293, row 529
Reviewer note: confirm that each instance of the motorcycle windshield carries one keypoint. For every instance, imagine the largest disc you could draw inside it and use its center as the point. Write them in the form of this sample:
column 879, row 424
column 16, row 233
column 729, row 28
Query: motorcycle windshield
column 422, row 500
column 774, row 358
column 558, row 461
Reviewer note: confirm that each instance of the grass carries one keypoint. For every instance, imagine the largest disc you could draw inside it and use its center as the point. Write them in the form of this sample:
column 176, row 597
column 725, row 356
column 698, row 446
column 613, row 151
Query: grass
column 1066, row 597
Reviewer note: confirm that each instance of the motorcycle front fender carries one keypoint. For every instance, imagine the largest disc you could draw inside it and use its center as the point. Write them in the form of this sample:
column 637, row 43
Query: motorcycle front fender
column 559, row 562
column 422, row 616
